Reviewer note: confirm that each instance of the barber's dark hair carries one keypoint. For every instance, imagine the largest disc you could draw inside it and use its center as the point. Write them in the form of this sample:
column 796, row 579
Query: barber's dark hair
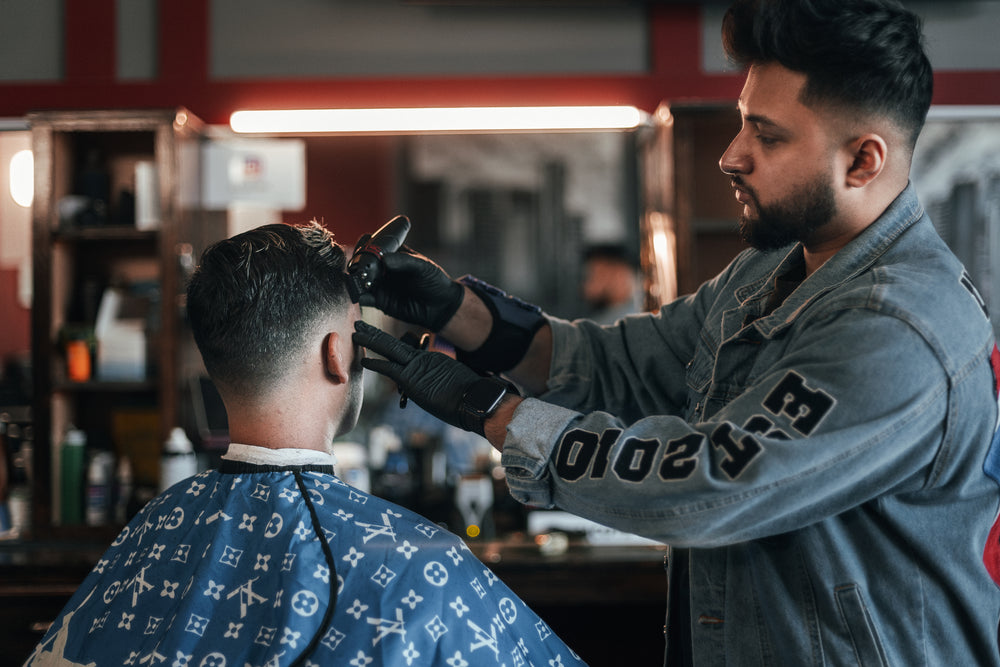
column 254, row 298
column 860, row 55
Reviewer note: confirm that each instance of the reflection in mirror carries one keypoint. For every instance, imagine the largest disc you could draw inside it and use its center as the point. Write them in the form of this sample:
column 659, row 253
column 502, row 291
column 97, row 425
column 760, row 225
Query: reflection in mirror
column 956, row 172
column 519, row 210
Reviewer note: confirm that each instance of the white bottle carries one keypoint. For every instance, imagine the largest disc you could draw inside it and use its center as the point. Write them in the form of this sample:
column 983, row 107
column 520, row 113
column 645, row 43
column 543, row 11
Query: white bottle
column 179, row 460
column 97, row 507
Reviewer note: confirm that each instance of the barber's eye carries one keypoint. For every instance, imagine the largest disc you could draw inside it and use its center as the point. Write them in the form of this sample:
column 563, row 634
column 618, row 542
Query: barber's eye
column 766, row 141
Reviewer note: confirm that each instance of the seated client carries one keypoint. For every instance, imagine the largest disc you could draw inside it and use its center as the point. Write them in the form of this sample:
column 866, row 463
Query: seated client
column 271, row 559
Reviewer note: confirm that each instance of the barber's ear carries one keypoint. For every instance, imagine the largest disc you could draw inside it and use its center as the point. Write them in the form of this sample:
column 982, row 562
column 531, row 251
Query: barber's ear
column 333, row 358
column 868, row 156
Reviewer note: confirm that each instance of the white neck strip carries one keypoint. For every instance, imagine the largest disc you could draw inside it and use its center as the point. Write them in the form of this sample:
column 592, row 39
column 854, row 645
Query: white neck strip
column 278, row 457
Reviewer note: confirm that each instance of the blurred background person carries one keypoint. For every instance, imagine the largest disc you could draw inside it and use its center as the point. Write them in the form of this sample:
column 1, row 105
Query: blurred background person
column 611, row 286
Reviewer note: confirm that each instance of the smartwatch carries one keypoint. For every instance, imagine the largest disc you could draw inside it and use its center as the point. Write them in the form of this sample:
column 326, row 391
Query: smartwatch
column 481, row 400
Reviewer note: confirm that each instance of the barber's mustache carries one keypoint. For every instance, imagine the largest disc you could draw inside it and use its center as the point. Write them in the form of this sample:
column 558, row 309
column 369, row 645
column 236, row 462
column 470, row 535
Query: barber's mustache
column 739, row 184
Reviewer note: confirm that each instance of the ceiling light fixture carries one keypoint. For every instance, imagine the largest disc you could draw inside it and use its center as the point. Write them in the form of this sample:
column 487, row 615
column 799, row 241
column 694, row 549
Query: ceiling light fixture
column 456, row 119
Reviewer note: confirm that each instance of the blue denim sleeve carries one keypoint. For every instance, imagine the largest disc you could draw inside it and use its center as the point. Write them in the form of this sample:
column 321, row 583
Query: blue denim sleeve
column 815, row 427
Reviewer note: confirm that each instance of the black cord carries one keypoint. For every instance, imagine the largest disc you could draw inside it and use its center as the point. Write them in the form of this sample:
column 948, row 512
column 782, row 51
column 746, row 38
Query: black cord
column 328, row 554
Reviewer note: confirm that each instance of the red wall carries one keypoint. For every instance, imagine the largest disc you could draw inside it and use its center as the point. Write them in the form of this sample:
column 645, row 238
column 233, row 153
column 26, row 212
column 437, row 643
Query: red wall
column 15, row 320
column 90, row 82
column 350, row 179
column 349, row 185
column 183, row 74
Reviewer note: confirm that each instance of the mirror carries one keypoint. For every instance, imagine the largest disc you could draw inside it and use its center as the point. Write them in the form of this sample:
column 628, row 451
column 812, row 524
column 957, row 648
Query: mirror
column 517, row 210
column 520, row 210
column 956, row 173
column 15, row 262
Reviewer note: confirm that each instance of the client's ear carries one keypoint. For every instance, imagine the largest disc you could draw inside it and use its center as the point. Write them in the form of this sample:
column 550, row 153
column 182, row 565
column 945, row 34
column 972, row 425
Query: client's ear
column 333, row 358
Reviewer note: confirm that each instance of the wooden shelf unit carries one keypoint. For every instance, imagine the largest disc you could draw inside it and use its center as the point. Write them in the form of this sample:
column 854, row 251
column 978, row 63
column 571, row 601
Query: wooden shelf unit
column 74, row 263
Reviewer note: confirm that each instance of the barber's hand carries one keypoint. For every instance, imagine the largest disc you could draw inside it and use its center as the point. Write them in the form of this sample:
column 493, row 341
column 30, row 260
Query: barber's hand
column 432, row 380
column 414, row 289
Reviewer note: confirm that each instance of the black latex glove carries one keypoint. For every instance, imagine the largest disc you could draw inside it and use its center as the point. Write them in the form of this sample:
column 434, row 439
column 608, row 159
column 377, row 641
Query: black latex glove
column 414, row 289
column 432, row 380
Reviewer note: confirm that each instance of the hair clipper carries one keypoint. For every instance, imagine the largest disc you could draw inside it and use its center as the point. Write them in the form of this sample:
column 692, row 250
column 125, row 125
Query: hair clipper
column 365, row 267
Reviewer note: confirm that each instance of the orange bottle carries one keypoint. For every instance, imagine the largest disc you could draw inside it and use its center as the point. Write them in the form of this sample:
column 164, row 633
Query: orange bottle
column 78, row 360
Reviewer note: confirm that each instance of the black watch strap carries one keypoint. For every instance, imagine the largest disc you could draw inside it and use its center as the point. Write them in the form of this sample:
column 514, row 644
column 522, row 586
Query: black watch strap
column 481, row 399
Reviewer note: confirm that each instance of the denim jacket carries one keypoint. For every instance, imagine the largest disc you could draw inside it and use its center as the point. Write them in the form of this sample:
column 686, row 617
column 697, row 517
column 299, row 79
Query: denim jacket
column 818, row 466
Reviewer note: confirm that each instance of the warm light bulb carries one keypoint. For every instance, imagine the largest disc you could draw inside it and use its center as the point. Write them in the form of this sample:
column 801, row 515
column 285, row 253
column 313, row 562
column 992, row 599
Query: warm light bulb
column 22, row 178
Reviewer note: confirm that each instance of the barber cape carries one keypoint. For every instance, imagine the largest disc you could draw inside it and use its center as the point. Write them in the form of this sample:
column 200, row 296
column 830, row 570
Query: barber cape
column 258, row 564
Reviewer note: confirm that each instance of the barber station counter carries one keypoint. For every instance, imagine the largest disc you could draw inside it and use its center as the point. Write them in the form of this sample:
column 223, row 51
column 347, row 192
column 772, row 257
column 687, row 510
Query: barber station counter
column 36, row 581
column 606, row 602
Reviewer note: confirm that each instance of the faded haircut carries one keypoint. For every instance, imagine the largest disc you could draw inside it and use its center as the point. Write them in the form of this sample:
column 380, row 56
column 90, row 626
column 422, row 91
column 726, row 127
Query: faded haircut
column 255, row 297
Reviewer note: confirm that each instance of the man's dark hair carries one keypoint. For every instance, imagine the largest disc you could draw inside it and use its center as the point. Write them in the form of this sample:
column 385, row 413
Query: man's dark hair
column 611, row 252
column 255, row 296
column 859, row 55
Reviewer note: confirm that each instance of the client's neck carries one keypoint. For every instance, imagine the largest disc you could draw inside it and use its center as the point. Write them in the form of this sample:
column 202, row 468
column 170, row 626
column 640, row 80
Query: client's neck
column 277, row 427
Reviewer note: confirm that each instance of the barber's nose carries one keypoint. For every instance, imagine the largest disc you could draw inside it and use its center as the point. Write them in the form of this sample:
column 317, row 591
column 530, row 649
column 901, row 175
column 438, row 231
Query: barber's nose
column 735, row 159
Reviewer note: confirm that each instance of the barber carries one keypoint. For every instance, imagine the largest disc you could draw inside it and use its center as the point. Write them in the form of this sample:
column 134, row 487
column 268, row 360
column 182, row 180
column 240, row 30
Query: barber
column 809, row 430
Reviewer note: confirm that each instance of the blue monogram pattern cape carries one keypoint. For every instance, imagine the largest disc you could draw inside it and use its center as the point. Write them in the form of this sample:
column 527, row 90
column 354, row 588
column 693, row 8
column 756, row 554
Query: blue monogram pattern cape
column 252, row 565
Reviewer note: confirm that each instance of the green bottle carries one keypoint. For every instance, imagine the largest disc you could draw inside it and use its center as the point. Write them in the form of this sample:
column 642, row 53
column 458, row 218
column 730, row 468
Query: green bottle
column 71, row 477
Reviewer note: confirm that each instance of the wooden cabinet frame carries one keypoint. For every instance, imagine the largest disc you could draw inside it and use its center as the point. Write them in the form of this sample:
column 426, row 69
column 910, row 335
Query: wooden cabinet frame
column 62, row 253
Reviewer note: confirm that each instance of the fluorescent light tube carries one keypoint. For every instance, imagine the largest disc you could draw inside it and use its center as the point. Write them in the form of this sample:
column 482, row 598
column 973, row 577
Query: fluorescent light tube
column 457, row 119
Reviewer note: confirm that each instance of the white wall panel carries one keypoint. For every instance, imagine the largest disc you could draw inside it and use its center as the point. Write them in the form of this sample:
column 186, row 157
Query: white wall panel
column 137, row 39
column 262, row 38
column 31, row 40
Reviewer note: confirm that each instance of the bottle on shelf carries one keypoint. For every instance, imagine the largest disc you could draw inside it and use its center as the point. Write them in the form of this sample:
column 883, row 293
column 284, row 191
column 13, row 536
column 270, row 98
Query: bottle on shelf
column 15, row 478
column 123, row 490
column 20, row 445
column 6, row 526
column 94, row 183
column 71, row 476
column 98, row 497
column 179, row 460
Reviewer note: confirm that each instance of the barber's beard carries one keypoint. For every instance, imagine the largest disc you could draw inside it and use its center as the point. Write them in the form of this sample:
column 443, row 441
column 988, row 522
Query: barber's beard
column 796, row 217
